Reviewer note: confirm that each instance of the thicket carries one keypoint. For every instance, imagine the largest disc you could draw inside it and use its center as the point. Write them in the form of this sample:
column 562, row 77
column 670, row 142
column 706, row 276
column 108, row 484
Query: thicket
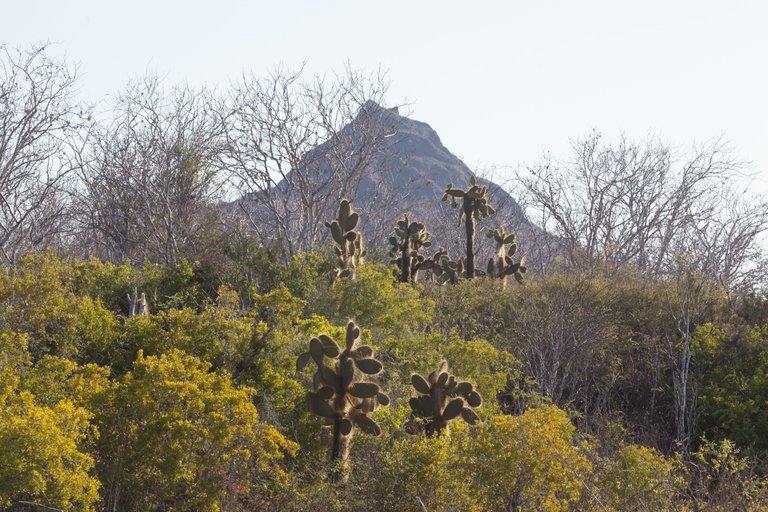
column 199, row 404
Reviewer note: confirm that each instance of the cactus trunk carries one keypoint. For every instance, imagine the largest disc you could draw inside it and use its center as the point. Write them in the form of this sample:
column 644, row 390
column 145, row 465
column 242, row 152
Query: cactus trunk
column 339, row 454
column 502, row 267
column 340, row 446
column 469, row 223
column 405, row 260
column 438, row 425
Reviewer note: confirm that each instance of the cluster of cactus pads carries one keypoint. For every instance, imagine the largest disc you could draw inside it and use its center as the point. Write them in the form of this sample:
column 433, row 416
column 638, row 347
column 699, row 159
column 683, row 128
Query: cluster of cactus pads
column 344, row 394
column 349, row 241
column 503, row 264
column 474, row 206
column 441, row 399
column 444, row 270
column 409, row 238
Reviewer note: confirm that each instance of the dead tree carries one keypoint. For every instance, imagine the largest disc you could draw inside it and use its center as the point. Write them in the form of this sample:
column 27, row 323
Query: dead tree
column 150, row 186
column 296, row 147
column 639, row 204
column 40, row 123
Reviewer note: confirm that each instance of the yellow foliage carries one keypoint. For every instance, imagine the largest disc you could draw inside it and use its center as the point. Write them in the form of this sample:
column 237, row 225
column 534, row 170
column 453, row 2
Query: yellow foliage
column 38, row 298
column 527, row 462
column 427, row 469
column 14, row 356
column 41, row 459
column 639, row 478
column 176, row 431
column 53, row 379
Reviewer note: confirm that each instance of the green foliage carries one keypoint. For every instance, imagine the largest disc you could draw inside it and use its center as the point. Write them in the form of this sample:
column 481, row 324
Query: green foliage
column 374, row 301
column 166, row 286
column 639, row 478
column 481, row 362
column 721, row 479
column 732, row 403
column 428, row 469
column 349, row 241
column 528, row 462
column 279, row 308
column 306, row 270
column 477, row 309
column 441, row 398
column 38, row 298
column 476, row 360
column 156, row 415
column 217, row 335
column 243, row 262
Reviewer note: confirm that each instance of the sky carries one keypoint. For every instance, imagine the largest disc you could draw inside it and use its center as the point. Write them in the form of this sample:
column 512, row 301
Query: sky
column 500, row 82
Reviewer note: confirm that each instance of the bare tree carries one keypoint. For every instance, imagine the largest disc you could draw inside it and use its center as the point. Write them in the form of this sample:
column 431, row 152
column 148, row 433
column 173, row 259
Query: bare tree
column 39, row 122
column 150, row 189
column 636, row 204
column 295, row 147
column 728, row 246
column 562, row 334
column 690, row 300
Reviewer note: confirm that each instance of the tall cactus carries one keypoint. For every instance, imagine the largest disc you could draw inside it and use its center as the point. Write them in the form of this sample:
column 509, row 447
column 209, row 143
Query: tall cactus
column 441, row 399
column 408, row 239
column 343, row 393
column 503, row 264
column 474, row 206
column 349, row 241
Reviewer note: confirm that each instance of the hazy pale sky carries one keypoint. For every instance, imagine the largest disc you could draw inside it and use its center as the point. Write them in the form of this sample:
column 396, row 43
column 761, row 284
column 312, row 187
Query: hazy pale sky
column 499, row 81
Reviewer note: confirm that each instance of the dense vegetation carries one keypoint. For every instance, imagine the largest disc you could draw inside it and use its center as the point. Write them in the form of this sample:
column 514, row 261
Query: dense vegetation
column 199, row 405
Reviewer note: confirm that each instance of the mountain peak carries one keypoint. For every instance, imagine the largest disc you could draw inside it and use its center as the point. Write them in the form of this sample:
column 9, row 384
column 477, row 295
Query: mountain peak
column 407, row 172
column 415, row 163
column 371, row 107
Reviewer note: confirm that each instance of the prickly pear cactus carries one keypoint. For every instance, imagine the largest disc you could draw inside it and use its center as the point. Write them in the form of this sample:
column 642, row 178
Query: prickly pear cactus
column 503, row 264
column 474, row 207
column 349, row 241
column 344, row 393
column 409, row 237
column 441, row 269
column 441, row 399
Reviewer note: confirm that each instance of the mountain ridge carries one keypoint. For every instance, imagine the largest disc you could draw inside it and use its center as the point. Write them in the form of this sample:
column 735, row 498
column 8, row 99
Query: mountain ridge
column 415, row 156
